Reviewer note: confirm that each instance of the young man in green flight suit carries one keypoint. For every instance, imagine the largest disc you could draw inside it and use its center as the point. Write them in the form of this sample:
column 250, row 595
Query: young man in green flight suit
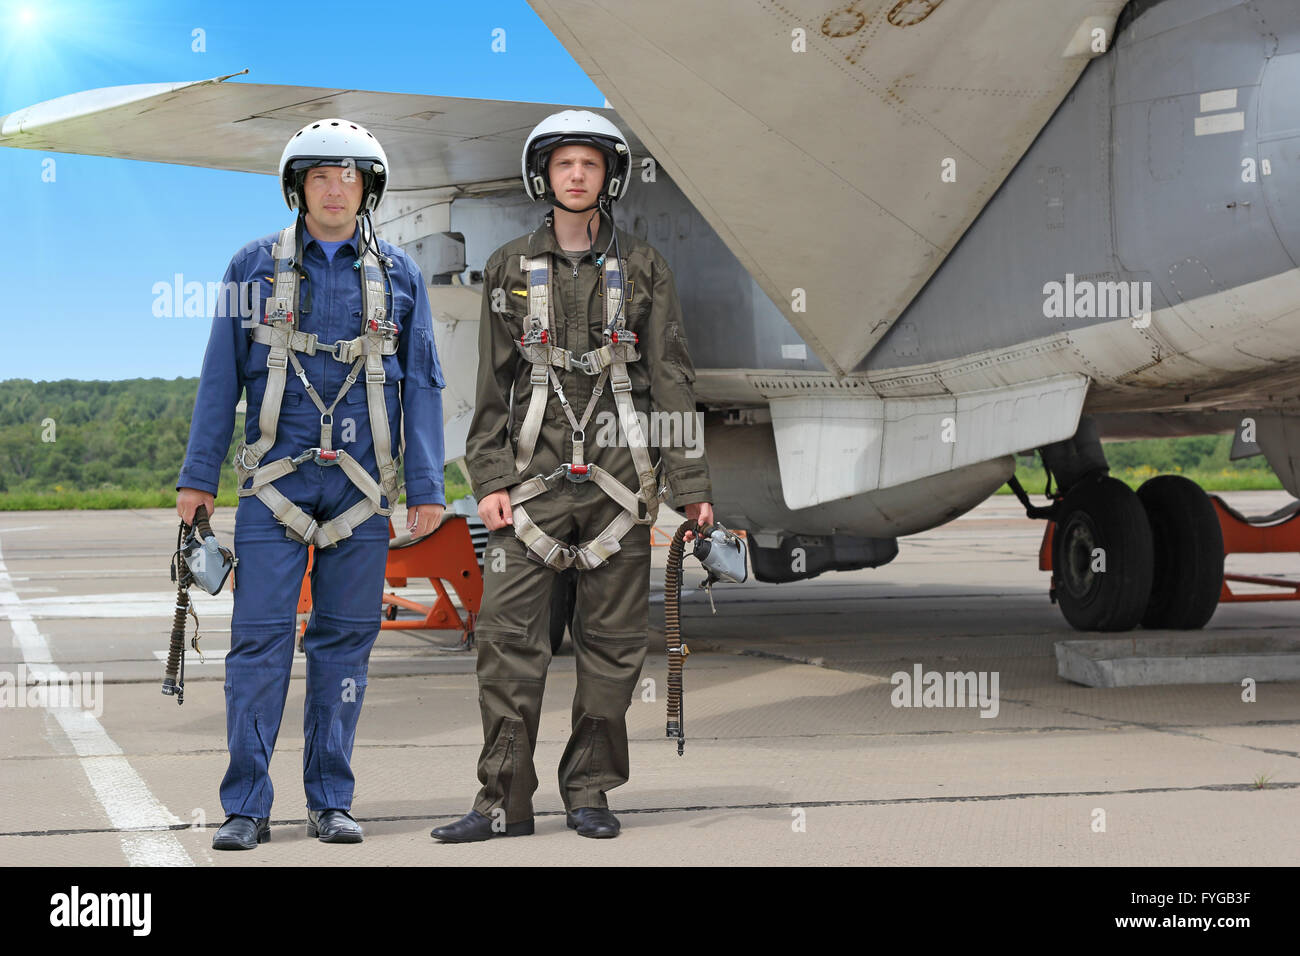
column 577, row 353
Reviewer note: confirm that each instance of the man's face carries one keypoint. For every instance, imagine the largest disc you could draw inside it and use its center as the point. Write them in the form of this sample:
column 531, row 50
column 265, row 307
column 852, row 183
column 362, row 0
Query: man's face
column 577, row 172
column 333, row 195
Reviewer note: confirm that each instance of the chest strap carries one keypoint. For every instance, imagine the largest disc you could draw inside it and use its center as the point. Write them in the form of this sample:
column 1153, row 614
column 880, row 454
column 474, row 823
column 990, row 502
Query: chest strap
column 278, row 330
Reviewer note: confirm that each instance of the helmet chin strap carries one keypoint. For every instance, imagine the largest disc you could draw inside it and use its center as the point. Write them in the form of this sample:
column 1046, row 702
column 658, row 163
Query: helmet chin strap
column 559, row 202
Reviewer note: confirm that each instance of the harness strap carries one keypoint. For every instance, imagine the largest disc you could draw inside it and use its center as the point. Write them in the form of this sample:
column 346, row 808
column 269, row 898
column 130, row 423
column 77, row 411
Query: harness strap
column 621, row 386
column 591, row 363
column 539, row 316
column 378, row 338
column 609, row 362
column 344, row 350
column 556, row 554
column 279, row 319
column 302, row 527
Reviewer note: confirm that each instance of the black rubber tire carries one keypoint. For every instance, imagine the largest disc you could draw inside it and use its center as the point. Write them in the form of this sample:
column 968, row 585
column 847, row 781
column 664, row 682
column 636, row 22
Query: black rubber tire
column 1102, row 513
column 563, row 597
column 1187, row 573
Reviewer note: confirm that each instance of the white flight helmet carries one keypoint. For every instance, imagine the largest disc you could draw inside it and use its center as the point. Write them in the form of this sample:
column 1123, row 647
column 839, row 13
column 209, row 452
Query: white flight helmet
column 334, row 142
column 566, row 128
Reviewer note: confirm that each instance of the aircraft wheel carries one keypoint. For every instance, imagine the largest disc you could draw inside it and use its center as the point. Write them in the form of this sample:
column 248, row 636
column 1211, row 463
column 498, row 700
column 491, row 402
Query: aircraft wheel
column 563, row 597
column 1188, row 546
column 1101, row 556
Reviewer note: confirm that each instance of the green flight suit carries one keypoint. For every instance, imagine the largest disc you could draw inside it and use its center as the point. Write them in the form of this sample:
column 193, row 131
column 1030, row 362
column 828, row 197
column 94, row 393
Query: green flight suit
column 612, row 603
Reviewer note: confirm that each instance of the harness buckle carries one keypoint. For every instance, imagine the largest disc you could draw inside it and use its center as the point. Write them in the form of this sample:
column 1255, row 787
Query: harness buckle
column 577, row 473
column 282, row 311
column 277, row 361
column 322, row 457
column 570, row 550
column 535, row 337
column 375, row 376
column 626, row 386
column 628, row 336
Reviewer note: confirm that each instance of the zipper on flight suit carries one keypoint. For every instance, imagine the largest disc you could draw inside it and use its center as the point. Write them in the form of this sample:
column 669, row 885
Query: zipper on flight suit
column 505, row 780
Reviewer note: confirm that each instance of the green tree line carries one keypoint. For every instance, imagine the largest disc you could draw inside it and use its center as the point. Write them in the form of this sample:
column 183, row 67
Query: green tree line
column 1202, row 458
column 79, row 444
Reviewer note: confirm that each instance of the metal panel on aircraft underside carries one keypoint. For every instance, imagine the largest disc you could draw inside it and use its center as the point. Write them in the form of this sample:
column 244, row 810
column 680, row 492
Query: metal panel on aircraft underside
column 822, row 169
column 831, row 448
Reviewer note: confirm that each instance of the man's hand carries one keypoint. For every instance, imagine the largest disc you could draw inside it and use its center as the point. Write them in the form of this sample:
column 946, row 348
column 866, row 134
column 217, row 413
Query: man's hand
column 188, row 501
column 494, row 509
column 423, row 519
column 702, row 512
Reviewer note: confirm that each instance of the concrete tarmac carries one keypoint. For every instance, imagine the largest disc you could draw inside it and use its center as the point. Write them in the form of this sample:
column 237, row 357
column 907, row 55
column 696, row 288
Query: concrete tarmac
column 796, row 751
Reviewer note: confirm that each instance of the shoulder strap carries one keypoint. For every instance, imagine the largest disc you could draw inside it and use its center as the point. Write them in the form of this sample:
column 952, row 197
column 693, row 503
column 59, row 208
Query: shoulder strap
column 620, row 383
column 378, row 328
column 280, row 320
column 538, row 270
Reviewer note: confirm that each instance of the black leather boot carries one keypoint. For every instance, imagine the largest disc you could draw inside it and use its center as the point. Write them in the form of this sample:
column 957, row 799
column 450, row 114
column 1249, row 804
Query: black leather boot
column 474, row 827
column 595, row 822
column 333, row 826
column 242, row 833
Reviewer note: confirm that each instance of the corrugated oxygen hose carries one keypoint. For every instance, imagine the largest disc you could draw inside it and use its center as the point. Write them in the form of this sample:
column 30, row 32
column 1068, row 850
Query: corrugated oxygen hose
column 176, row 651
column 174, row 678
column 677, row 651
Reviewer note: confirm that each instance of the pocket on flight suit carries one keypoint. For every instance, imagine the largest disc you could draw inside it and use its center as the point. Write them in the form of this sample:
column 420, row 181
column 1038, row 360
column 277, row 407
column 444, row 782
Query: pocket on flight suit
column 500, row 620
column 614, row 610
column 424, row 367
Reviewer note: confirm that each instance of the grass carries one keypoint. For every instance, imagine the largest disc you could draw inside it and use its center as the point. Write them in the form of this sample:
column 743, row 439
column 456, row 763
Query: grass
column 1034, row 479
column 1031, row 477
column 61, row 499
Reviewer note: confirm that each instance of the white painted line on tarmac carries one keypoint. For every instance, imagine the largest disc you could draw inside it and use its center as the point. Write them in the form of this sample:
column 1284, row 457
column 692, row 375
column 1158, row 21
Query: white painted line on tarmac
column 121, row 791
column 192, row 658
column 127, row 604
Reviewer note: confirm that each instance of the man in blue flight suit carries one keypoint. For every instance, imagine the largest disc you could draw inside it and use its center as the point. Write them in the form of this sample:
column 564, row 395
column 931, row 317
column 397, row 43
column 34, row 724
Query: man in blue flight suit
column 319, row 464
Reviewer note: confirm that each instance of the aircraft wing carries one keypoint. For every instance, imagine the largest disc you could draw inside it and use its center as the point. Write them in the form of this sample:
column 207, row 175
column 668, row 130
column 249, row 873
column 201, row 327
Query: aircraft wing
column 431, row 141
column 821, row 169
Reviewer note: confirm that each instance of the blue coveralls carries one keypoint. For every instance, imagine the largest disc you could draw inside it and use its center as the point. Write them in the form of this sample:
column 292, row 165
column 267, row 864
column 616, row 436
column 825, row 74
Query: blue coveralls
column 347, row 580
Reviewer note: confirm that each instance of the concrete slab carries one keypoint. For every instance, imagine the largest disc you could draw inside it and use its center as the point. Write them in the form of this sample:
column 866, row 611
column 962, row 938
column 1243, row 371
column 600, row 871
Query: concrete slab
column 1189, row 659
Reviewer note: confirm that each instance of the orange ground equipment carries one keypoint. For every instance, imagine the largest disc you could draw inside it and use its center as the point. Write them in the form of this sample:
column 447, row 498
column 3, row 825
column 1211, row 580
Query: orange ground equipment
column 1276, row 533
column 448, row 556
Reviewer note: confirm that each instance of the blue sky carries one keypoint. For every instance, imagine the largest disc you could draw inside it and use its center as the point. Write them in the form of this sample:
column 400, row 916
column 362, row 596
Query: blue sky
column 79, row 256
